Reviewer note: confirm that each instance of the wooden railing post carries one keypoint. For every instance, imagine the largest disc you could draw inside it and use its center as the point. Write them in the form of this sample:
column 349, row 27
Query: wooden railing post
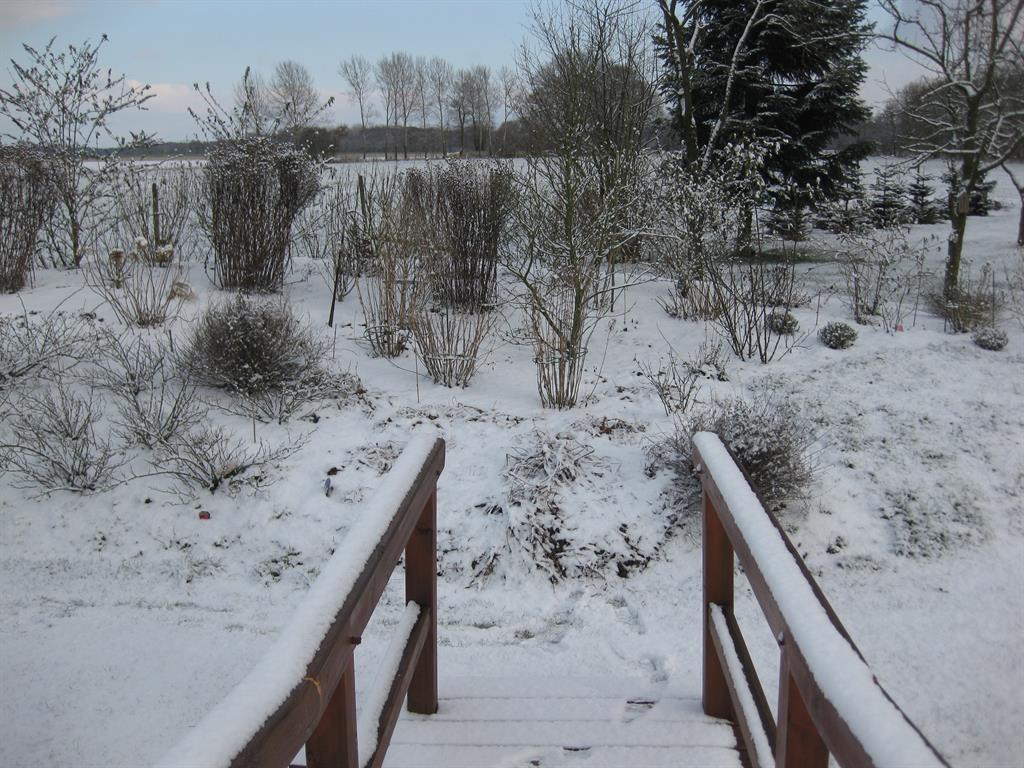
column 333, row 743
column 797, row 741
column 718, row 588
column 421, row 588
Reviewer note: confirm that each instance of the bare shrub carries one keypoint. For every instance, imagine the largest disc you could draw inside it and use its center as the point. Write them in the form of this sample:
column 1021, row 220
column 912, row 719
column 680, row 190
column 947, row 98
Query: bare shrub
column 253, row 188
column 139, row 290
column 326, row 232
column 55, row 443
column 750, row 295
column 261, row 354
column 466, row 208
column 881, row 270
column 210, row 458
column 449, row 342
column 675, row 383
column 970, row 304
column 561, row 262
column 155, row 402
column 691, row 300
column 27, row 200
column 394, row 226
column 42, row 348
column 154, row 208
column 768, row 435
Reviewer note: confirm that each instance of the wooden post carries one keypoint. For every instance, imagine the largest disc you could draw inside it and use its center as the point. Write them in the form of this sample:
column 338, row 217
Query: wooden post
column 797, row 742
column 421, row 588
column 333, row 743
column 718, row 588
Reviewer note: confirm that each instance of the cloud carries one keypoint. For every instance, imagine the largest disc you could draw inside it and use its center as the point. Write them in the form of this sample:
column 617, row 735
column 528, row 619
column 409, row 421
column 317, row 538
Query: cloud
column 174, row 98
column 18, row 13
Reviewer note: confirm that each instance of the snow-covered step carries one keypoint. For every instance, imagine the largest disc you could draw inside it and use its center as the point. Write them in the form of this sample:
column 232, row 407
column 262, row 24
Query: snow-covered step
column 544, row 722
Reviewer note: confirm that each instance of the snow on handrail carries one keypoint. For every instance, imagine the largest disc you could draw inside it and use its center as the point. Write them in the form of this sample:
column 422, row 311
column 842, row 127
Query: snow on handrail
column 227, row 728
column 838, row 672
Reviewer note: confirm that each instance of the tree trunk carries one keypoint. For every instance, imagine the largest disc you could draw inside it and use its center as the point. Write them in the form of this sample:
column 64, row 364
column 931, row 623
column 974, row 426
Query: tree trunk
column 956, row 249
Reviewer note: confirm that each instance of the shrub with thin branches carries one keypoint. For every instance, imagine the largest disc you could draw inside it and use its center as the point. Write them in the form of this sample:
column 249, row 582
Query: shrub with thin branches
column 42, row 348
column 156, row 402
column 449, row 342
column 210, row 458
column 55, row 442
column 253, row 189
column 27, row 200
column 139, row 290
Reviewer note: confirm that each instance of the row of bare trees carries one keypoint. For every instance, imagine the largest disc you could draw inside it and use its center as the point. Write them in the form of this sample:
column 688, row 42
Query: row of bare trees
column 406, row 90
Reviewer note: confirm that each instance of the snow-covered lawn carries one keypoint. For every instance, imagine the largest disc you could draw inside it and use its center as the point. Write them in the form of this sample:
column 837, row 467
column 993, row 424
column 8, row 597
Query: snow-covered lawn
column 126, row 617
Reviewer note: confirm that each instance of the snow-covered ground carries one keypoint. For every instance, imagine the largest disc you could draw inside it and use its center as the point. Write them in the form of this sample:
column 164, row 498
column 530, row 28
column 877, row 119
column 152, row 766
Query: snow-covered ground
column 126, row 617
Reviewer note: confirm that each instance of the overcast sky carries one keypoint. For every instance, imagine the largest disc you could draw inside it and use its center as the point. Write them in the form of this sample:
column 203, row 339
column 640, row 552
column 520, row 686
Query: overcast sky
column 172, row 44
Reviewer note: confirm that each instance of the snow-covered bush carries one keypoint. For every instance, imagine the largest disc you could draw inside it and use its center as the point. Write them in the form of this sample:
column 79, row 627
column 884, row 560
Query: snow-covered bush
column 153, row 211
column 55, row 441
column 836, row 335
column 253, row 188
column 768, row 435
column 260, row 353
column 465, row 206
column 676, row 383
column 156, row 403
column 783, row 322
column 27, row 200
column 551, row 482
column 991, row 339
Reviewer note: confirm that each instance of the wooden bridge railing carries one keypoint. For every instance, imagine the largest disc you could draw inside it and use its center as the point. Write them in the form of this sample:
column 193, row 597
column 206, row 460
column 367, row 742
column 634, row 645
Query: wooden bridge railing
column 829, row 700
column 302, row 693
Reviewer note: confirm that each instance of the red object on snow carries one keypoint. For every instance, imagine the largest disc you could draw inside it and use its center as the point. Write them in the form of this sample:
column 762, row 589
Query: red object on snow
column 204, row 515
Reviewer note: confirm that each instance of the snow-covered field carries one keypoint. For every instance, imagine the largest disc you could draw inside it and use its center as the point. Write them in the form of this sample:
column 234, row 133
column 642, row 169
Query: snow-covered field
column 125, row 617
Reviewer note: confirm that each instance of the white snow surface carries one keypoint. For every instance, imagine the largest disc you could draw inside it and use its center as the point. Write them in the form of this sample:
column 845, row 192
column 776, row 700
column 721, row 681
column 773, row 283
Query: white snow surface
column 125, row 618
column 222, row 733
column 843, row 678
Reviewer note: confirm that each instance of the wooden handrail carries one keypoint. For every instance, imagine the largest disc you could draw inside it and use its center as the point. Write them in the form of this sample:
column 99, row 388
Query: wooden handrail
column 829, row 700
column 302, row 692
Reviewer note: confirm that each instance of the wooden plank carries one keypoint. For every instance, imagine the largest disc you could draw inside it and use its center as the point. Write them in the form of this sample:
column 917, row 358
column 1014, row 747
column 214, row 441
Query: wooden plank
column 414, row 649
column 798, row 743
column 284, row 733
column 334, row 743
column 718, row 590
column 421, row 588
column 734, row 641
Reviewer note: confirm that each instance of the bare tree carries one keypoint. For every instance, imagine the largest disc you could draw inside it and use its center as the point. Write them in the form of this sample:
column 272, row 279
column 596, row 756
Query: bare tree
column 292, row 95
column 422, row 88
column 509, row 98
column 358, row 73
column 1018, row 184
column 439, row 74
column 405, row 75
column 62, row 101
column 969, row 48
column 388, row 76
column 461, row 102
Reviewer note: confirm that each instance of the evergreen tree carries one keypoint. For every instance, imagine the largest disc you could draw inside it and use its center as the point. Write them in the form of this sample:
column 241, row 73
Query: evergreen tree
column 788, row 216
column 787, row 71
column 888, row 197
column 921, row 200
